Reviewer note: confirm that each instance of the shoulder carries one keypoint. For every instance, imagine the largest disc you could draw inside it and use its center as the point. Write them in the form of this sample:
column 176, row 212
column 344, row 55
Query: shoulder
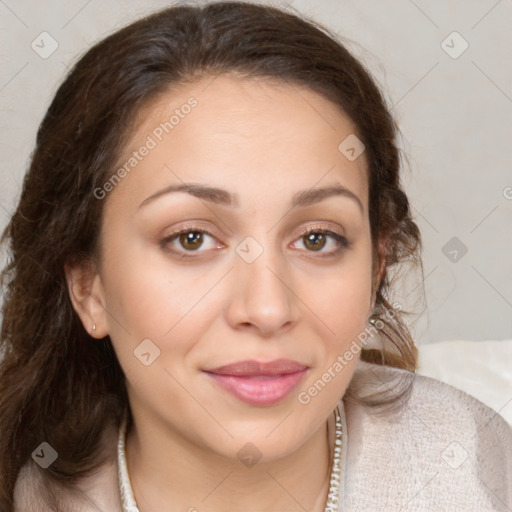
column 436, row 448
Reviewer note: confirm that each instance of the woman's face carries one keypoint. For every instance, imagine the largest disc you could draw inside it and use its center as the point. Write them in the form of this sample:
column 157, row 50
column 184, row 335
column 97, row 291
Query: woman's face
column 243, row 169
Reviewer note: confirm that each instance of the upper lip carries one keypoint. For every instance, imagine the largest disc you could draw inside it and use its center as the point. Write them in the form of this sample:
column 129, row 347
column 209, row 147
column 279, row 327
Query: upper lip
column 251, row 367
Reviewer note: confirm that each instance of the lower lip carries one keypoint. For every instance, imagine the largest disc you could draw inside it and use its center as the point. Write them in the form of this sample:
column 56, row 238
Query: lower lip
column 259, row 390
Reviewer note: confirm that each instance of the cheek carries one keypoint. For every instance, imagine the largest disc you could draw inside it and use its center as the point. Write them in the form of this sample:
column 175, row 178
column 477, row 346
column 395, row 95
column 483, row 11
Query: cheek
column 344, row 314
column 345, row 298
column 145, row 299
column 344, row 303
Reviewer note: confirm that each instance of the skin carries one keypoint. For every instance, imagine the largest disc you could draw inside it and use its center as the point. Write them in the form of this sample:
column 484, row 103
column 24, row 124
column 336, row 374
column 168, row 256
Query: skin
column 264, row 142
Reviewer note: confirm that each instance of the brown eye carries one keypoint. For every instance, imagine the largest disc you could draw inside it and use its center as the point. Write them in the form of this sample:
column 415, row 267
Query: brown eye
column 314, row 241
column 191, row 240
column 323, row 241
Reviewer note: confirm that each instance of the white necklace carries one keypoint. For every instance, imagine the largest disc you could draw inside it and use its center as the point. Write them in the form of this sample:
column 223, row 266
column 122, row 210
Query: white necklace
column 333, row 497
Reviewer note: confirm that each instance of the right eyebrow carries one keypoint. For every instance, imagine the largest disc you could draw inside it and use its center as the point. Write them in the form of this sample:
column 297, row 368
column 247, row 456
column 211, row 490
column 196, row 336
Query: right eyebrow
column 213, row 194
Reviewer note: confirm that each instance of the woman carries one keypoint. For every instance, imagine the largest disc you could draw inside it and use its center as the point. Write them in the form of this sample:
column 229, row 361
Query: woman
column 196, row 312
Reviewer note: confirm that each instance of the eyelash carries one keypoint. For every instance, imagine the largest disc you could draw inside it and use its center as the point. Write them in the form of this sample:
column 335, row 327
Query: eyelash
column 341, row 240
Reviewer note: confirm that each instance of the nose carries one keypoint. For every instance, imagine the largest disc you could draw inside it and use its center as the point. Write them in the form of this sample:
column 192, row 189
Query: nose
column 262, row 296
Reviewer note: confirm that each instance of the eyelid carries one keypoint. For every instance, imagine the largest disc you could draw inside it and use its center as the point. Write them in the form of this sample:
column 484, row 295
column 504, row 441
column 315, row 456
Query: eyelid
column 319, row 228
column 189, row 226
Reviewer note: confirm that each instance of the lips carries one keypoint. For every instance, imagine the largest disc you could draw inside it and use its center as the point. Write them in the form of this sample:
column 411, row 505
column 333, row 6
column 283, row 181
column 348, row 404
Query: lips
column 258, row 383
column 251, row 368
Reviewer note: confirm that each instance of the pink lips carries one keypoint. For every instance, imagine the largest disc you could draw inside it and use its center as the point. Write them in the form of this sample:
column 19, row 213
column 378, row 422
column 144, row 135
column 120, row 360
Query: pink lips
column 259, row 383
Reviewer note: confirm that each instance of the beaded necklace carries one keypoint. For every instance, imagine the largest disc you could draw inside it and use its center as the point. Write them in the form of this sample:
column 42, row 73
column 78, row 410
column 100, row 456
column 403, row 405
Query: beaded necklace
column 333, row 497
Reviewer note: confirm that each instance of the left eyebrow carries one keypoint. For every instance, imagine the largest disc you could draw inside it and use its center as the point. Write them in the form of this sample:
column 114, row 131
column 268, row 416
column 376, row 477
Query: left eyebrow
column 314, row 195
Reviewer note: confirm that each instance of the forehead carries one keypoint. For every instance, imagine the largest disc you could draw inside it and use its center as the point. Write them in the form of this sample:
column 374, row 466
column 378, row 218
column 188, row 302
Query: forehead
column 254, row 134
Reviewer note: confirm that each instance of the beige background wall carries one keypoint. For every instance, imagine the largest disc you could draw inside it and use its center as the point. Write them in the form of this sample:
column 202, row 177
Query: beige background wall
column 454, row 105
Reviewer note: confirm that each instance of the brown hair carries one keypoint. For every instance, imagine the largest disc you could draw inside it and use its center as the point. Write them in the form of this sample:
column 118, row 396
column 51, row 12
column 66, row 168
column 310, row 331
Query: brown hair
column 58, row 384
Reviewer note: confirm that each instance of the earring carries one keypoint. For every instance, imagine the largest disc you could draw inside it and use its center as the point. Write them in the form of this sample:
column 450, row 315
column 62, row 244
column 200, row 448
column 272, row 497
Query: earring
column 93, row 327
column 374, row 316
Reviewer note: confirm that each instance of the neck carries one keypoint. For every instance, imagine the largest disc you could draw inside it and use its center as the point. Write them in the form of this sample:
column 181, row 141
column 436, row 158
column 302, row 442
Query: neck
column 182, row 476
